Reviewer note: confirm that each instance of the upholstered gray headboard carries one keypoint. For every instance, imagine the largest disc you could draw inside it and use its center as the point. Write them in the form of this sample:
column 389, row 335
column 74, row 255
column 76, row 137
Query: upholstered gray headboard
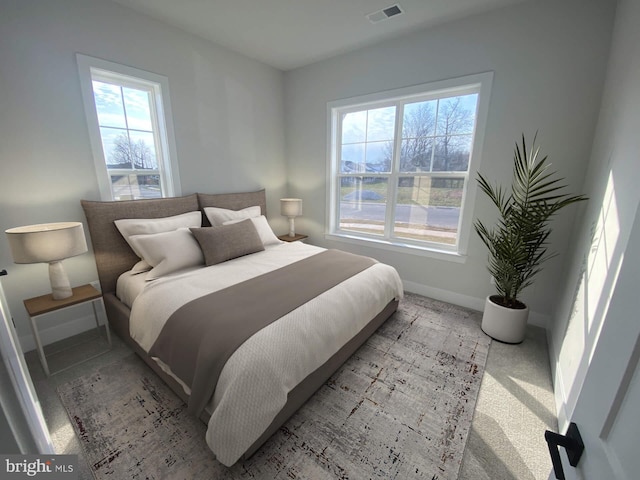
column 112, row 253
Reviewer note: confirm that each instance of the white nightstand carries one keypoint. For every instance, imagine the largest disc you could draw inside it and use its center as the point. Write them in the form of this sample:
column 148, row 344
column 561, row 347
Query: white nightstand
column 44, row 304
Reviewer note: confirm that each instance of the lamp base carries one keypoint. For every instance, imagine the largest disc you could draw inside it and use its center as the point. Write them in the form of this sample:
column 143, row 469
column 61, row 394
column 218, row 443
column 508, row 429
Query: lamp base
column 292, row 228
column 60, row 286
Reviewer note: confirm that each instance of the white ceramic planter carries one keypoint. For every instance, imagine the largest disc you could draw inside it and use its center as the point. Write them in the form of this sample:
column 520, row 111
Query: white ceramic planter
column 507, row 325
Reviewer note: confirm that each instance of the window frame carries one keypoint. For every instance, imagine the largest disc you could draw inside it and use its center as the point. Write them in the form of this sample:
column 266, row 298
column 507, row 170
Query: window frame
column 477, row 83
column 89, row 69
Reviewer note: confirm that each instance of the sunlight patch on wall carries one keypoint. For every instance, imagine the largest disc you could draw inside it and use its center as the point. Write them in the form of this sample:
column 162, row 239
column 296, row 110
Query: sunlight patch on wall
column 600, row 282
column 598, row 277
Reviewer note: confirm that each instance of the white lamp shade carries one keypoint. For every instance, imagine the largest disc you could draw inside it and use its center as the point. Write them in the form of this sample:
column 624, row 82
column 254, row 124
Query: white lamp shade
column 291, row 207
column 47, row 242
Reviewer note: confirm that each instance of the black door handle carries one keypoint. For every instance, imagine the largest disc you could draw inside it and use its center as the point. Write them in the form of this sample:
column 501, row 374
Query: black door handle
column 572, row 442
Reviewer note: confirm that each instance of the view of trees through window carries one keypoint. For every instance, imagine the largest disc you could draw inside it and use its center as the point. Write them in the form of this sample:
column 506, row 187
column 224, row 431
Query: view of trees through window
column 126, row 120
column 403, row 167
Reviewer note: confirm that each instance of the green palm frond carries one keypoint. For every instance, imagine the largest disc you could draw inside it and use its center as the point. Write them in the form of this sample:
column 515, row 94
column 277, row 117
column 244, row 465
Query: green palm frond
column 517, row 244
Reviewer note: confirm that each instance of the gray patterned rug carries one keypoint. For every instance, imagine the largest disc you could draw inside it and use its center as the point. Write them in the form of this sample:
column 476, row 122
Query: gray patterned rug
column 400, row 408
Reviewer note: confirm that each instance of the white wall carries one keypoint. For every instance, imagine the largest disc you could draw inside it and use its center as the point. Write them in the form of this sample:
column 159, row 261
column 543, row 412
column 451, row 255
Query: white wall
column 228, row 118
column 601, row 237
column 549, row 59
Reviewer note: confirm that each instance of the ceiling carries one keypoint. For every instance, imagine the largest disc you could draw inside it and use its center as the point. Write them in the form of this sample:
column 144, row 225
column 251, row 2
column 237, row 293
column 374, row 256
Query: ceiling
column 287, row 34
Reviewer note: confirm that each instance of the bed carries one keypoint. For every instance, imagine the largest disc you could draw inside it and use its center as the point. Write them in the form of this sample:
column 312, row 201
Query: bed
column 298, row 332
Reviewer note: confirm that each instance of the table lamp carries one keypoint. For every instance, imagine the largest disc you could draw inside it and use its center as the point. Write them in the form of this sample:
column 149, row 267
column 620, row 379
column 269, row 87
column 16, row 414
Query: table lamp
column 49, row 243
column 292, row 208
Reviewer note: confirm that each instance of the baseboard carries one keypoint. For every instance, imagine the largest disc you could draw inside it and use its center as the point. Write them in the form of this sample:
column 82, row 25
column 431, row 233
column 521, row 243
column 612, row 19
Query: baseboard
column 59, row 332
column 561, row 401
column 467, row 301
column 558, row 385
column 539, row 320
column 444, row 295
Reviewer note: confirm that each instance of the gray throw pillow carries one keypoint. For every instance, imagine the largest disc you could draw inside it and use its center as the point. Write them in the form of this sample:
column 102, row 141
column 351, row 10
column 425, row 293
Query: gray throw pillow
column 225, row 242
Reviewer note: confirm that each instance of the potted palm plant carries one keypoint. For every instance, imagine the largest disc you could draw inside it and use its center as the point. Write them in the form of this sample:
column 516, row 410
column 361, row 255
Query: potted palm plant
column 518, row 242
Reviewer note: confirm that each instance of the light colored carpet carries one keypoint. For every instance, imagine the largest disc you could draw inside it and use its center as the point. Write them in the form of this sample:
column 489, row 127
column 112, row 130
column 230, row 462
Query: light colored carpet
column 515, row 406
column 401, row 407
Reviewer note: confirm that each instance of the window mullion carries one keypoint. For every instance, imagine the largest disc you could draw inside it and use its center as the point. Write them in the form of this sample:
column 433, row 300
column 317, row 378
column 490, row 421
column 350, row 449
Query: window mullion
column 337, row 161
column 126, row 125
column 435, row 137
column 135, row 171
column 392, row 186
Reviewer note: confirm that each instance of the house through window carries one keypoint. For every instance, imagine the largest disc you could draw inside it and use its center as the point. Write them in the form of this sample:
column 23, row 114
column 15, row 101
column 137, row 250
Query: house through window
column 401, row 163
column 127, row 123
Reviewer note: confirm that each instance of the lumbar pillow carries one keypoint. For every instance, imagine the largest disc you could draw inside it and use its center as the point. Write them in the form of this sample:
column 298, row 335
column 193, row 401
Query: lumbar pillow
column 263, row 228
column 217, row 216
column 148, row 226
column 225, row 242
column 168, row 252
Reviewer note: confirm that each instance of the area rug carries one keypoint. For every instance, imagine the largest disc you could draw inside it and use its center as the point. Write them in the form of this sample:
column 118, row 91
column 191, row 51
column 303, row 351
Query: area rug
column 399, row 408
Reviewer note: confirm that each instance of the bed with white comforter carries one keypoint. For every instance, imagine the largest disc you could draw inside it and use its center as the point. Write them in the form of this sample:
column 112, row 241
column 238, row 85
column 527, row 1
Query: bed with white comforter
column 257, row 379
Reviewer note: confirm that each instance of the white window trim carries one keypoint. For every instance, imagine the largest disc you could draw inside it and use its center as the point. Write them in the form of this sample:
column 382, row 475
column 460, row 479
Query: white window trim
column 482, row 82
column 170, row 177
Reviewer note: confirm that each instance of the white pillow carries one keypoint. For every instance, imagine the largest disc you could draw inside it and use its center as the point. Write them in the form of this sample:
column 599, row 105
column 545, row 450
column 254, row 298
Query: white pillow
column 147, row 226
column 263, row 228
column 168, row 252
column 218, row 216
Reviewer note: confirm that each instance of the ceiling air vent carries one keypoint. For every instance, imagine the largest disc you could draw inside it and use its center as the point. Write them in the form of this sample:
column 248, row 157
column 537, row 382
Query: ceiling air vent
column 385, row 13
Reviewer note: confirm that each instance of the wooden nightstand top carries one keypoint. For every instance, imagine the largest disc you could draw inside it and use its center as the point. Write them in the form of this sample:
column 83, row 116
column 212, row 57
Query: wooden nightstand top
column 45, row 303
column 287, row 238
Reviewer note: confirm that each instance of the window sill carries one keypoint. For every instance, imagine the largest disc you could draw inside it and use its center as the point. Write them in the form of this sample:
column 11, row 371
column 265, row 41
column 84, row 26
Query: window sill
column 398, row 247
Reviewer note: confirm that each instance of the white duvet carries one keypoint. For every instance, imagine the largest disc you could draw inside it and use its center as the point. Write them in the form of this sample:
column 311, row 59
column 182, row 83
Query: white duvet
column 255, row 381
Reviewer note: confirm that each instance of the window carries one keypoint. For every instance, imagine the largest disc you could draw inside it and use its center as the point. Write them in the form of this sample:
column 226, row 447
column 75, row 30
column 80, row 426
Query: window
column 403, row 162
column 128, row 114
